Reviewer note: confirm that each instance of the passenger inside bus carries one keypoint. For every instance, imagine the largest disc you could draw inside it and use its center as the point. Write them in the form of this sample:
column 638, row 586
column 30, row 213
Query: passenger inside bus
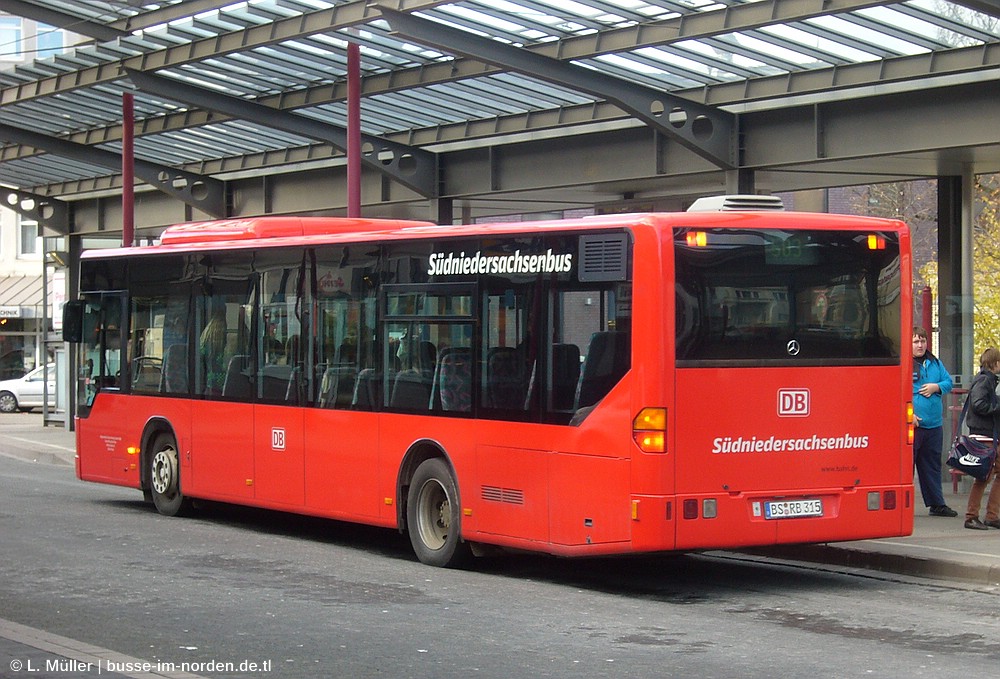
column 212, row 348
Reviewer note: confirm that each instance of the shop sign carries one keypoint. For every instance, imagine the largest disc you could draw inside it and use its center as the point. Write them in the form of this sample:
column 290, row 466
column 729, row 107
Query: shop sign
column 10, row 312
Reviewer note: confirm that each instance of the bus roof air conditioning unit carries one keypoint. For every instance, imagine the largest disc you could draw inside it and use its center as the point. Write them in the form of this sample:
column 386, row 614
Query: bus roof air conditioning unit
column 734, row 203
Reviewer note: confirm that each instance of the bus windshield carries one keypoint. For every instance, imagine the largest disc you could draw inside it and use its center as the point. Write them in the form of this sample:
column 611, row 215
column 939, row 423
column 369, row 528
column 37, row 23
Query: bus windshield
column 773, row 297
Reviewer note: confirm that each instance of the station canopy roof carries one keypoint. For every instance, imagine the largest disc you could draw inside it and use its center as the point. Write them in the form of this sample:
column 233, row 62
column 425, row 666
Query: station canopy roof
column 436, row 73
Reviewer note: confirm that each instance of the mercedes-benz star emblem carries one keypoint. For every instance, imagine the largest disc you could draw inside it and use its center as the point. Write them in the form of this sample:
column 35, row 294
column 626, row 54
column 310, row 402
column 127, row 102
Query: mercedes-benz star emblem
column 793, row 348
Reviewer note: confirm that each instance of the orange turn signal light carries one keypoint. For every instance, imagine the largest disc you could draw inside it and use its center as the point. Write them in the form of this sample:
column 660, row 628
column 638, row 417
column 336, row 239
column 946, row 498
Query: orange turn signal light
column 649, row 430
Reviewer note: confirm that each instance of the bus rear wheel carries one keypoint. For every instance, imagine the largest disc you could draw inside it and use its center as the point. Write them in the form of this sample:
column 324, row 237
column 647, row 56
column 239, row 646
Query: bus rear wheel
column 165, row 477
column 433, row 516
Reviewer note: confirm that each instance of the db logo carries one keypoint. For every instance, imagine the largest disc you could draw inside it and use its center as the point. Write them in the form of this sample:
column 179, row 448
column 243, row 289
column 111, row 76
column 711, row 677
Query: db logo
column 278, row 439
column 793, row 402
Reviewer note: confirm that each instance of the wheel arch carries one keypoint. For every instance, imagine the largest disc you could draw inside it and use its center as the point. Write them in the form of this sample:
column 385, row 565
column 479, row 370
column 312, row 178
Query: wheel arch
column 418, row 452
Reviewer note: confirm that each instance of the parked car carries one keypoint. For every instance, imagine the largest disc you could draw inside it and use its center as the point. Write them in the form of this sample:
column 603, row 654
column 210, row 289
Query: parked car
column 25, row 393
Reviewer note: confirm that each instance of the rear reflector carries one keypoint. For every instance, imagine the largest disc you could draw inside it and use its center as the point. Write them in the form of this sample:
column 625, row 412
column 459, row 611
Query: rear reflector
column 889, row 500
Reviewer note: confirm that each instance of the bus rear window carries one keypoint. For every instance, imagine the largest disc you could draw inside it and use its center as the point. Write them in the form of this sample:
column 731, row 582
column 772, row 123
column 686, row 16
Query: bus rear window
column 786, row 297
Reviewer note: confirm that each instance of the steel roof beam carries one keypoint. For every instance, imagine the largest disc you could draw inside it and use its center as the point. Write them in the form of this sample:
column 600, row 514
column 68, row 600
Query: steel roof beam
column 67, row 22
column 52, row 214
column 203, row 193
column 709, row 132
column 408, row 165
column 865, row 74
column 254, row 161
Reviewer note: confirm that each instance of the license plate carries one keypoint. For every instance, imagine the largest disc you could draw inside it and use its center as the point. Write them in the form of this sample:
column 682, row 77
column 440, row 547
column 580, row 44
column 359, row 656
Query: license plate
column 791, row 509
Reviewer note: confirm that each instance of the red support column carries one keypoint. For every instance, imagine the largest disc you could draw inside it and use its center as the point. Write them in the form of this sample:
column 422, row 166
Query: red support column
column 926, row 313
column 353, row 130
column 128, row 170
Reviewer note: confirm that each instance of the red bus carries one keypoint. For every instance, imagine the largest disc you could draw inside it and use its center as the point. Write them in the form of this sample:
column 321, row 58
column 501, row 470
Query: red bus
column 605, row 385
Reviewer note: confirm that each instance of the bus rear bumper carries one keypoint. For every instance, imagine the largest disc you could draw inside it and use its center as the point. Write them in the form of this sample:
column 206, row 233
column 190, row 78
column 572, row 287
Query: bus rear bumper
column 756, row 519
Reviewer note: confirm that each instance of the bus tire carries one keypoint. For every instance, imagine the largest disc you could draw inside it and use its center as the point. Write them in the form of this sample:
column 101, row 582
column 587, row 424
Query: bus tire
column 434, row 517
column 165, row 477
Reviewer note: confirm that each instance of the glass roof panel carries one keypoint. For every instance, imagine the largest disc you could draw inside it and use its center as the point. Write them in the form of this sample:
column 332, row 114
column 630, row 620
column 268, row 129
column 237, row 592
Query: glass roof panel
column 954, row 17
column 940, row 30
column 854, row 33
column 402, row 99
column 816, row 44
column 706, row 59
column 747, row 65
column 486, row 21
column 101, row 12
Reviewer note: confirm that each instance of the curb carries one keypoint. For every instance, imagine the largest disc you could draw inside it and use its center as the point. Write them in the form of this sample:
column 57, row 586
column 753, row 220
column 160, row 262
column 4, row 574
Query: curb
column 900, row 564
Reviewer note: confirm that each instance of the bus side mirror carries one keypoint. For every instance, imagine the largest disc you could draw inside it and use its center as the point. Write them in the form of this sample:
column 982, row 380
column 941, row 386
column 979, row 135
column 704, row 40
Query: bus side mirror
column 72, row 328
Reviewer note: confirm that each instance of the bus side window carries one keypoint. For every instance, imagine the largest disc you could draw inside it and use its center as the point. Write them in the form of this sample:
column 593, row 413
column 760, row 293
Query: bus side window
column 510, row 355
column 506, row 378
column 283, row 359
column 174, row 376
column 343, row 326
column 452, row 387
column 593, row 349
column 236, row 385
column 367, row 390
column 102, row 346
column 565, row 375
column 158, row 321
column 607, row 362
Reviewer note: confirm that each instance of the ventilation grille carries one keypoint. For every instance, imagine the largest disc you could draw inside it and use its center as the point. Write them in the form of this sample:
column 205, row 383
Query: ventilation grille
column 734, row 203
column 510, row 496
column 603, row 257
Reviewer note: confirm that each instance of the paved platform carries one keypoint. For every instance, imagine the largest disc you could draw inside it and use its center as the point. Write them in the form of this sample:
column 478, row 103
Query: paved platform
column 938, row 548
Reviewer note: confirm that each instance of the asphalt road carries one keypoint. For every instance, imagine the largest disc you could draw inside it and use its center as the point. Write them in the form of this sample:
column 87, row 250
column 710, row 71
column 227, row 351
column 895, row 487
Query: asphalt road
column 91, row 572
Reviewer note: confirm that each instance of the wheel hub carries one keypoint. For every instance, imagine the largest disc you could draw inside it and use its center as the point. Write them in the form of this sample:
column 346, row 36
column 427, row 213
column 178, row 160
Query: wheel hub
column 434, row 515
column 164, row 472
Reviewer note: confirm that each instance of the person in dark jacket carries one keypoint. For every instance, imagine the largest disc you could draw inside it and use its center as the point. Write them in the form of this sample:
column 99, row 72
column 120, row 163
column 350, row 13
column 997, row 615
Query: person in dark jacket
column 931, row 381
column 983, row 421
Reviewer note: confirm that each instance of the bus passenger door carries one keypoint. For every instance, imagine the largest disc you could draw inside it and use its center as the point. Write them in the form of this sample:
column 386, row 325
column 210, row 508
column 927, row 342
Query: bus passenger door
column 222, row 426
column 284, row 371
column 105, row 427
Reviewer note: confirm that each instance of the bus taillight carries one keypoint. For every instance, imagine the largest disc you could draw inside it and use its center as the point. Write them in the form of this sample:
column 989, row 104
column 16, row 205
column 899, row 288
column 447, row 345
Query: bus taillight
column 909, row 423
column 649, row 430
column 876, row 242
column 696, row 239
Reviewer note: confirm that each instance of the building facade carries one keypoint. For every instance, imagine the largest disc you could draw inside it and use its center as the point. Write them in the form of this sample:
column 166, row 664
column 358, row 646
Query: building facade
column 22, row 316
column 25, row 322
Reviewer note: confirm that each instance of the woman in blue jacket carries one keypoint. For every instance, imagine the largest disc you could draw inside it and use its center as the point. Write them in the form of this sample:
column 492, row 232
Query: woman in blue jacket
column 930, row 382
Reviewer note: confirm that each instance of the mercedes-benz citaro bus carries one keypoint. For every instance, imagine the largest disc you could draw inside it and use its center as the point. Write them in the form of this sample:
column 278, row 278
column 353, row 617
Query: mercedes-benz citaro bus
column 734, row 375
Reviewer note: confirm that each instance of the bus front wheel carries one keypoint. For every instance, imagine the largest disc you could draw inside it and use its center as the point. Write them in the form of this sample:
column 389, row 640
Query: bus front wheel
column 165, row 477
column 433, row 516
